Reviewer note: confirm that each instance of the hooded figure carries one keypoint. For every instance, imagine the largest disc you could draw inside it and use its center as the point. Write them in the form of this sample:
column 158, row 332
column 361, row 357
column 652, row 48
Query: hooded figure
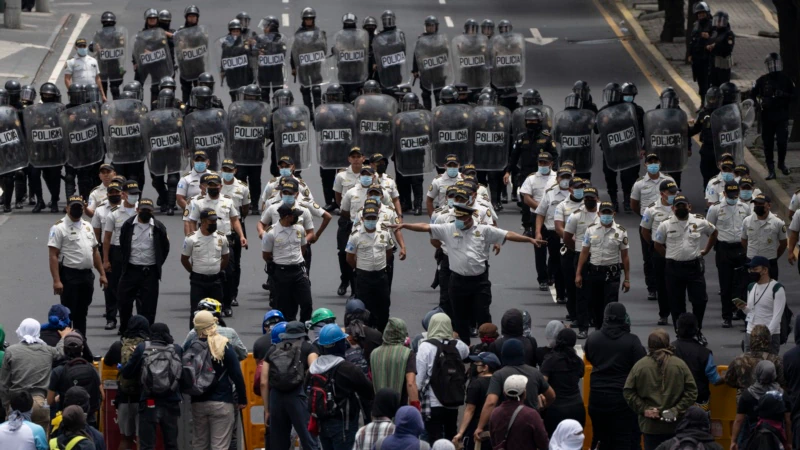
column 741, row 369
column 695, row 425
column 73, row 429
column 565, row 369
column 568, row 436
column 512, row 327
column 699, row 359
column 550, row 333
column 407, row 428
column 160, row 332
column 390, row 360
column 791, row 366
column 206, row 327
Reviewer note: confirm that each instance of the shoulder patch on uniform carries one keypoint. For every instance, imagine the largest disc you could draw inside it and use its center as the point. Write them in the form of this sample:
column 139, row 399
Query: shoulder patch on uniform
column 621, row 227
column 430, row 188
column 651, row 205
column 220, row 233
column 227, row 196
column 243, row 182
column 717, row 182
column 59, row 221
column 300, row 182
column 545, row 132
column 115, row 208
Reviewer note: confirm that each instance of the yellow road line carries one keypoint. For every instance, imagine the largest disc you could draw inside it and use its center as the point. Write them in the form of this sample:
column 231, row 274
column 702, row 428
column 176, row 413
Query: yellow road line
column 767, row 13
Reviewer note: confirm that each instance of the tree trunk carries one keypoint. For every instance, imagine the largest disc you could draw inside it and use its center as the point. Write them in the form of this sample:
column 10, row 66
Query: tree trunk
column 789, row 37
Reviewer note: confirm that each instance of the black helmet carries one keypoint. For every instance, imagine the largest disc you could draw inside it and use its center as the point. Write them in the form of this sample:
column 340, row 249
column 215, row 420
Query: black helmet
column 167, row 83
column 773, row 62
column 447, row 95
column 206, row 79
column 409, row 102
column 504, row 26
column 108, row 17
column 244, row 18
column 701, row 7
column 93, row 93
column 282, row 97
column 270, row 22
column 191, row 9
column 371, row 87
column 201, row 97
column 334, row 93
column 486, row 100
column 582, row 89
column 669, row 99
column 4, row 101
column 28, row 93
column 151, row 13
column 730, row 93
column 533, row 116
column 573, row 101
column 471, row 26
column 135, row 87
column 164, row 16
column 388, row 19
column 629, row 89
column 166, row 98
column 713, row 98
column 612, row 93
column 49, row 93
column 370, row 21
column 251, row 92
column 128, row 95
column 720, row 20
column 349, row 20
column 235, row 25
column 531, row 97
column 490, row 91
column 487, row 27
column 309, row 13
column 77, row 94
column 432, row 21
column 13, row 87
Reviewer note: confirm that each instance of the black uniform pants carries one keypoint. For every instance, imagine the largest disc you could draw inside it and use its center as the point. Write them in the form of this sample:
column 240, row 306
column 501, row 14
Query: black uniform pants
column 626, row 176
column 687, row 277
column 540, row 255
column 114, row 85
column 444, row 285
column 770, row 130
column 470, row 298
column 328, row 176
column 496, row 186
column 373, row 289
column 659, row 272
column 426, row 98
column 342, row 236
column 584, row 296
column 568, row 267
column 708, row 164
column 292, row 291
column 11, row 181
column 132, row 172
column 252, row 176
column 70, row 177
column 233, row 271
column 112, row 301
column 200, row 287
column 731, row 259
column 166, row 191
column 554, row 261
column 312, row 97
column 700, row 74
column 139, row 284
column 77, row 294
column 352, row 91
column 35, row 182
column 602, row 284
column 52, row 178
column 186, row 89
column 647, row 260
column 409, row 187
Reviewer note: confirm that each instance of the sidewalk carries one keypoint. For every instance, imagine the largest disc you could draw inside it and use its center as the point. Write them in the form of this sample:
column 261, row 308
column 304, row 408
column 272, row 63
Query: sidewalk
column 748, row 18
column 23, row 51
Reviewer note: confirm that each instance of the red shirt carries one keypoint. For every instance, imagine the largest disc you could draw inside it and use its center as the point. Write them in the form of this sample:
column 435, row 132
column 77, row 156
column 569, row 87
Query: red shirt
column 528, row 427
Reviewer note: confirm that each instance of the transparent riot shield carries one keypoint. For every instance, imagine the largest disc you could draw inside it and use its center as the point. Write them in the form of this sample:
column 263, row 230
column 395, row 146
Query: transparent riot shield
column 45, row 137
column 309, row 53
column 271, row 49
column 192, row 51
column 452, row 125
column 109, row 49
column 235, row 61
column 666, row 133
column 491, row 128
column 471, row 60
column 152, row 56
column 389, row 48
column 83, row 139
column 748, row 113
column 572, row 134
column 351, row 48
column 432, row 54
column 207, row 130
column 335, row 124
column 13, row 155
column 247, row 123
column 619, row 136
column 412, row 142
column 726, row 127
column 508, row 60
column 292, row 129
column 122, row 130
column 374, row 113
column 162, row 132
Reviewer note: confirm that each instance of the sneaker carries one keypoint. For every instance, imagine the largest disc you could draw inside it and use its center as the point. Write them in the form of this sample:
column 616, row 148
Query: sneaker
column 234, row 302
column 662, row 321
column 726, row 323
column 227, row 312
column 701, row 339
column 652, row 294
column 544, row 287
column 583, row 334
column 111, row 324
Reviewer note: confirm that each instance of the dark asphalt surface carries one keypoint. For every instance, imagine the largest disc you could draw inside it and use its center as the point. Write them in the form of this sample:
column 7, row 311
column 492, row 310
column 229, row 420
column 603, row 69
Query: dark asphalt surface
column 551, row 69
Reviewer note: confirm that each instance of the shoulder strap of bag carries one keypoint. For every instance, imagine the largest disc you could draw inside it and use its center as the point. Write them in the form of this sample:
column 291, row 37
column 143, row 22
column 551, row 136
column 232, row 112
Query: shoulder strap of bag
column 74, row 442
column 510, row 423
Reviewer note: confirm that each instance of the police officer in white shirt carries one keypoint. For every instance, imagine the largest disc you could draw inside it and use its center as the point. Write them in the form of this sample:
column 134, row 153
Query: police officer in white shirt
column 794, row 234
column 574, row 229
column 73, row 251
column 83, row 69
column 604, row 254
column 437, row 191
column 286, row 169
column 238, row 191
column 205, row 255
column 532, row 191
column 716, row 185
column 567, row 255
column 345, row 180
column 144, row 247
column 679, row 239
column 545, row 214
column 189, row 185
column 728, row 217
column 764, row 234
column 378, row 162
column 646, row 192
column 112, row 256
column 368, row 251
column 103, row 209
column 99, row 193
column 282, row 248
column 468, row 245
column 654, row 214
column 748, row 191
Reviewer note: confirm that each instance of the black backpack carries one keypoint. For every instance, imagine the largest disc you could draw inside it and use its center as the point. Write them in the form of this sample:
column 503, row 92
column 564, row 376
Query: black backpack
column 286, row 369
column 764, row 437
column 161, row 368
column 448, row 377
column 686, row 443
column 79, row 372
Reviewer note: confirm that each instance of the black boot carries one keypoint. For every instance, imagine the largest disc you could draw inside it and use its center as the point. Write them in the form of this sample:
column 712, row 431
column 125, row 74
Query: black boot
column 39, row 206
column 771, row 170
column 417, row 206
column 785, row 170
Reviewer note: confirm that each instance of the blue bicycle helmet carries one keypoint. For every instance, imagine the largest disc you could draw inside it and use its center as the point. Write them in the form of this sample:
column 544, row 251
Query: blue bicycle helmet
column 331, row 334
column 270, row 318
column 277, row 330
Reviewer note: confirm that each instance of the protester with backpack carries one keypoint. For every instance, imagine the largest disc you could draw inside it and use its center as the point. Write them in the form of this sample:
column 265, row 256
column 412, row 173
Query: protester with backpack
column 693, row 432
column 394, row 366
column 214, row 371
column 75, row 371
column 485, row 364
column 264, row 342
column 513, row 425
column 384, row 408
column 408, row 427
column 78, row 396
column 19, row 433
column 441, row 378
column 766, row 301
column 156, row 362
column 338, row 391
column 773, row 429
column 73, row 437
column 58, row 320
column 362, row 338
column 747, row 414
column 512, row 327
column 215, row 308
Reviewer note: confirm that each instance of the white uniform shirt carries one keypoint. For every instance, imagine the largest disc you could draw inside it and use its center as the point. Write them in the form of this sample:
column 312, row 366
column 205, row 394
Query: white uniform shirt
column 84, row 70
column 237, row 191
column 345, row 180
column 189, row 185
column 763, row 236
column 548, row 204
column 143, row 252
column 270, row 192
column 75, row 242
column 271, row 216
column 438, row 188
column 389, row 186
column 795, row 225
column 577, row 223
column 654, row 215
column 370, row 248
column 683, row 238
column 223, row 205
column 115, row 219
column 468, row 249
column 714, row 188
column 605, row 243
column 285, row 244
column 564, row 210
column 353, row 200
column 728, row 220
column 97, row 195
column 794, row 203
column 100, row 214
column 205, row 252
column 647, row 190
column 536, row 184
column 445, row 215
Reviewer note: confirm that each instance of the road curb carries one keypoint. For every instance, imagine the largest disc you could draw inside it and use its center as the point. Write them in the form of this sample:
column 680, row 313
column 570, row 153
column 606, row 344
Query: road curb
column 51, row 41
column 758, row 172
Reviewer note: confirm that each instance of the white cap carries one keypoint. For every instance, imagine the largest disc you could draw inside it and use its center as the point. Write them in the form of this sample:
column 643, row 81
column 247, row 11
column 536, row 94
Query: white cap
column 515, row 385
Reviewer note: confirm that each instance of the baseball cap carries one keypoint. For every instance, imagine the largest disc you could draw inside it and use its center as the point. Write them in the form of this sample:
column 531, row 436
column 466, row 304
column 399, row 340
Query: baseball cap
column 451, row 159
column 462, row 192
column 132, row 187
column 80, row 41
column 463, row 210
column 741, row 168
column 468, row 168
column 590, row 192
column 375, row 187
column 294, row 330
column 680, row 199
column 289, row 184
column 355, row 150
column 287, row 159
column 146, row 203
column 228, row 164
column 106, row 167
column 726, row 156
column 488, row 358
column 731, row 187
column 515, row 385
column 114, row 186
column 578, row 181
column 746, row 181
column 604, row 206
column 377, row 157
column 544, row 156
column 669, row 185
column 726, row 163
column 651, row 157
column 208, row 213
column 199, row 154
column 761, row 198
column 758, row 261
column 370, row 210
column 209, row 178
column 564, row 171
column 75, row 200
column 367, row 169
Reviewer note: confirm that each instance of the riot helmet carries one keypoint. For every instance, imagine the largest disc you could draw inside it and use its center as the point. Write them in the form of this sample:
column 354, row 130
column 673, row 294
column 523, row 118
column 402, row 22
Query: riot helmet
column 77, row 94
column 309, row 14
column 720, row 20
column 167, row 83
column 234, row 25
column 431, row 25
column 612, row 93
column 582, row 89
column 504, row 26
column 409, row 102
column 283, row 97
column 49, row 93
column 388, row 19
column 487, row 27
column 371, row 87
column 251, row 92
column 127, row 95
column 166, row 98
column 269, row 24
column 93, row 93
column 534, row 120
column 349, row 20
column 201, row 97
column 629, row 92
column 471, row 26
column 370, row 24
column 4, row 101
column 334, row 93
column 773, row 63
column 730, row 93
column 573, row 101
column 108, row 19
column 701, row 7
column 207, row 80
column 486, row 100
column 191, row 10
column 713, row 98
column 531, row 97
column 135, row 87
column 447, row 95
column 13, row 88
column 669, row 99
column 164, row 17
column 150, row 13
column 244, row 18
column 28, row 94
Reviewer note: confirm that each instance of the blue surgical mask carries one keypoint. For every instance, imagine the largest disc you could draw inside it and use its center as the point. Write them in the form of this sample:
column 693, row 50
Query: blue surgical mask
column 288, row 199
column 746, row 195
column 370, row 224
column 82, row 51
column 452, row 172
column 544, row 170
column 133, row 198
column 671, row 199
column 653, row 168
column 727, row 176
column 375, row 197
column 628, row 98
column 606, row 219
column 451, row 202
column 200, row 166
column 227, row 176
column 563, row 184
column 366, row 180
column 577, row 193
column 286, row 172
column 731, row 201
column 459, row 224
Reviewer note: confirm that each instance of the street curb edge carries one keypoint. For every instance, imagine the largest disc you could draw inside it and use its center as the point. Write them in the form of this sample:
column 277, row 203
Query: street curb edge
column 51, row 41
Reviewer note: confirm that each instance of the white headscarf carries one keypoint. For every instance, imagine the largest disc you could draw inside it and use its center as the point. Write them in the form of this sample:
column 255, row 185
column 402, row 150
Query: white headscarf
column 551, row 331
column 28, row 332
column 568, row 436
column 443, row 444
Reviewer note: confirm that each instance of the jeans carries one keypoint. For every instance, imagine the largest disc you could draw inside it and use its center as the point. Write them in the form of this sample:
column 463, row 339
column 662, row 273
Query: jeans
column 338, row 434
column 162, row 416
column 287, row 410
column 213, row 425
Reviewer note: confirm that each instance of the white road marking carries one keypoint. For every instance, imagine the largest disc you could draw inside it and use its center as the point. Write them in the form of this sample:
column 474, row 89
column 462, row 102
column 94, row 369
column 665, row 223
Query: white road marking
column 553, row 292
column 448, row 20
column 538, row 39
column 442, row 2
column 68, row 47
column 12, row 75
column 76, row 4
column 285, row 1
column 285, row 19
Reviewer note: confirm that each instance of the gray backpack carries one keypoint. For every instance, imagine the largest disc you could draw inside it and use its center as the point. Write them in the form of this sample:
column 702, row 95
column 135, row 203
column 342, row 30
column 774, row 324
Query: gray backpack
column 198, row 368
column 161, row 368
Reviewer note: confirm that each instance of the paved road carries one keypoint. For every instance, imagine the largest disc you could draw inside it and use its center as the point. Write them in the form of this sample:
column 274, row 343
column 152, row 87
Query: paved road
column 587, row 48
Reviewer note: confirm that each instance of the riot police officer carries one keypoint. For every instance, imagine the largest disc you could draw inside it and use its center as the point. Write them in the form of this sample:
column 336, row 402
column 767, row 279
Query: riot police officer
column 617, row 94
column 14, row 180
column 244, row 18
column 236, row 44
column 164, row 22
column 668, row 99
column 370, row 25
column 150, row 21
column 191, row 15
column 271, row 26
column 699, row 55
column 487, row 28
column 85, row 177
column 111, row 71
column 431, row 28
column 49, row 93
column 169, row 83
column 582, row 90
column 702, row 125
column 773, row 93
column 351, row 89
column 309, row 19
column 720, row 47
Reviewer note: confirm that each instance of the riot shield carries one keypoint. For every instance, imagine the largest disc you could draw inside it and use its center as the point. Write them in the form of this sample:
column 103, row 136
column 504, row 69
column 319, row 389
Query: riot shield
column 207, row 130
column 666, row 133
column 13, row 155
column 518, row 119
column 247, row 122
column 109, row 48
column 309, row 52
column 433, row 61
column 235, row 61
column 291, row 127
column 45, row 138
column 726, row 127
column 748, row 113
column 508, row 60
column 619, row 136
column 389, row 48
column 191, row 51
column 491, row 127
column 471, row 60
column 152, row 56
column 83, row 140
column 572, row 134
column 123, row 132
column 412, row 142
column 335, row 124
column 452, row 126
column 374, row 114
column 162, row 132
column 271, row 49
column 351, row 47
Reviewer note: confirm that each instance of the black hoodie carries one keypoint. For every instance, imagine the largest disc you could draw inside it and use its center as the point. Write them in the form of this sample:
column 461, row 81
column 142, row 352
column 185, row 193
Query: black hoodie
column 791, row 371
column 612, row 351
column 512, row 328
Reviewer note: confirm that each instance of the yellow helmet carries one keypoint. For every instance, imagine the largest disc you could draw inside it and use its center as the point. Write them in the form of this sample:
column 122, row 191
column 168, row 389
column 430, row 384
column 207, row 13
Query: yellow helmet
column 211, row 305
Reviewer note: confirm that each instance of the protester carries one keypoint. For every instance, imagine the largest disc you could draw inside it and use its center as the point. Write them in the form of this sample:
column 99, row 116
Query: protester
column 264, row 342
column 75, row 371
column 567, row 436
column 19, row 433
column 77, row 395
column 363, row 339
column 773, row 429
column 740, row 374
column 487, row 333
column 73, row 431
column 58, row 320
column 766, row 300
column 424, row 335
column 693, row 429
column 563, row 369
column 747, row 414
column 550, row 332
column 408, row 427
column 513, row 425
column 697, row 357
column 512, row 327
column 215, row 308
column 791, row 367
column 394, row 366
column 485, row 363
column 384, row 408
